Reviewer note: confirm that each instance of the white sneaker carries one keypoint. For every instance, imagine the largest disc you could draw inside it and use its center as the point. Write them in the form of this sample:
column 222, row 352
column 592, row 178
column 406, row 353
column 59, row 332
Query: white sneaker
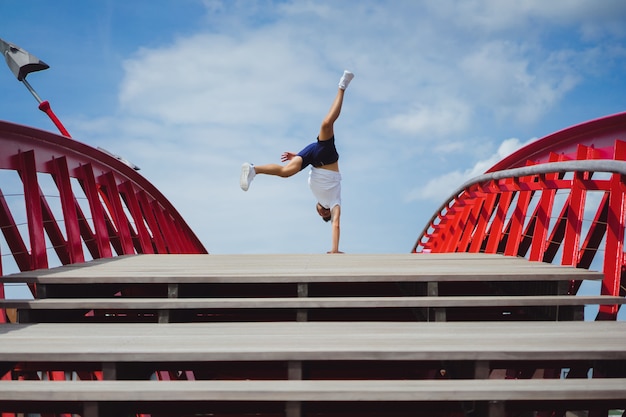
column 345, row 79
column 247, row 175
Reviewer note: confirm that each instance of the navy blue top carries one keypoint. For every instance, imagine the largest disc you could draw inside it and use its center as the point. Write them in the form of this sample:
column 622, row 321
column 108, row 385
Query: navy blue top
column 319, row 153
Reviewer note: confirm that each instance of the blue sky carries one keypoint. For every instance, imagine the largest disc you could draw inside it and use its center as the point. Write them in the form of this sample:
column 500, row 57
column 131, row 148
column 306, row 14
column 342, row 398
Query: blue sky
column 190, row 89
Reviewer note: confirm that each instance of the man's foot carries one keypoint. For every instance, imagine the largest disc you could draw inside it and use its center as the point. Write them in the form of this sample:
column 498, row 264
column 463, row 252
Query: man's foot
column 345, row 79
column 247, row 175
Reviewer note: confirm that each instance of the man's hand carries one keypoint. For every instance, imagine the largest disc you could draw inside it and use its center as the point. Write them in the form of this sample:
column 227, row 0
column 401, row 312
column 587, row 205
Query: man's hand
column 287, row 156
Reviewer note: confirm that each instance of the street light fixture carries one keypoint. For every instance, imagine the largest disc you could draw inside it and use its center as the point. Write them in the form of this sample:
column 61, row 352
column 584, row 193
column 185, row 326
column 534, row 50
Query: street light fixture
column 21, row 63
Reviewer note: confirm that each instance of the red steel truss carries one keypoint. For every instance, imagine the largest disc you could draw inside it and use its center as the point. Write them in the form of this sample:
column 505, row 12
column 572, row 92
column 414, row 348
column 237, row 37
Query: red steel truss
column 73, row 203
column 76, row 203
column 559, row 199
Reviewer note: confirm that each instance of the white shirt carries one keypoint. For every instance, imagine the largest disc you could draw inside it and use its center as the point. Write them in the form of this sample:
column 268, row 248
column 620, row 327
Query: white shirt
column 326, row 186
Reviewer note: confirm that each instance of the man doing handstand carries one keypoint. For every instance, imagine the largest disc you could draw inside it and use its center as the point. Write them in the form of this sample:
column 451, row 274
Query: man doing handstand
column 324, row 177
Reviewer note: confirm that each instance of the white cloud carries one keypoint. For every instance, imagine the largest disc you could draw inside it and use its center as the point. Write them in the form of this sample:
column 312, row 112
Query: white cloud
column 441, row 187
column 503, row 75
column 216, row 79
column 591, row 17
column 440, row 120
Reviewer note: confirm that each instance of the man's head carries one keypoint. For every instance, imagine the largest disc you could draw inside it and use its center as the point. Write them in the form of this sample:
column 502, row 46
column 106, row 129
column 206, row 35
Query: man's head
column 323, row 212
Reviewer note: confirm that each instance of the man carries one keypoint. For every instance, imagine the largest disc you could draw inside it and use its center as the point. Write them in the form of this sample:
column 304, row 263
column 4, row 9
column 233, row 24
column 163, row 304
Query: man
column 324, row 178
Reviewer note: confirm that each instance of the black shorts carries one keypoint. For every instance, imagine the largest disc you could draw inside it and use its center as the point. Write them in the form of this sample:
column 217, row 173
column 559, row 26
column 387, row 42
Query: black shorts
column 319, row 153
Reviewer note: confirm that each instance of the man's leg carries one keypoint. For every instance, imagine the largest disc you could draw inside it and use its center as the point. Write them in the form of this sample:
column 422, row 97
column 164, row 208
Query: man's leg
column 326, row 130
column 287, row 170
column 249, row 171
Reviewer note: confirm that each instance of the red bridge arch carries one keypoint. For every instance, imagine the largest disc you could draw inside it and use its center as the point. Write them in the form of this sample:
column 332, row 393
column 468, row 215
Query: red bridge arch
column 94, row 206
column 559, row 199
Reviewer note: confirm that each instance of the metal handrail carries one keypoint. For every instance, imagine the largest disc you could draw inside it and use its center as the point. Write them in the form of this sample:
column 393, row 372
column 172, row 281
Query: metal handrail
column 597, row 165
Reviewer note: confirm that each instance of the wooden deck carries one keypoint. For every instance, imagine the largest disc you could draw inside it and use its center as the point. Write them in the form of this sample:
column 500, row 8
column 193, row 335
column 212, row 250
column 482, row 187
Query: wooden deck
column 300, row 287
column 295, row 335
column 377, row 398
column 343, row 391
column 183, row 269
column 128, row 303
column 276, row 341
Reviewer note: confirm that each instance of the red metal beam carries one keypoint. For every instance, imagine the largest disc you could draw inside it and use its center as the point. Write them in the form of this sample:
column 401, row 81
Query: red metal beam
column 34, row 213
column 61, row 177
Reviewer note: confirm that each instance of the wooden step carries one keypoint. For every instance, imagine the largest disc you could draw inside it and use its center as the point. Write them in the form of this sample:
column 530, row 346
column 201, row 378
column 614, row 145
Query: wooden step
column 286, row 341
column 185, row 269
column 254, row 351
column 129, row 303
column 490, row 396
column 318, row 390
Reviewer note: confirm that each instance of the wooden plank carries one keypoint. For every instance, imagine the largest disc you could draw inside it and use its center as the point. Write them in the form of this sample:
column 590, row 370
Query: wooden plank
column 285, row 341
column 318, row 390
column 125, row 303
column 302, row 268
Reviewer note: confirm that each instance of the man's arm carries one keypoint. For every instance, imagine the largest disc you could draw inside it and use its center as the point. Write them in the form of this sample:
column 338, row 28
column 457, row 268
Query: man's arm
column 335, row 224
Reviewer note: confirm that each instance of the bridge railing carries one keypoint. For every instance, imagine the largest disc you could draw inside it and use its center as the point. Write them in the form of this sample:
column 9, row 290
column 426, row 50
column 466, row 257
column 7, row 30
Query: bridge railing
column 67, row 202
column 573, row 210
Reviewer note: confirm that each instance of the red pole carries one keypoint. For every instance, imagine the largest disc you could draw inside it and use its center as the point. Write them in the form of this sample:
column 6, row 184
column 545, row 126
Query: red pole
column 44, row 106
